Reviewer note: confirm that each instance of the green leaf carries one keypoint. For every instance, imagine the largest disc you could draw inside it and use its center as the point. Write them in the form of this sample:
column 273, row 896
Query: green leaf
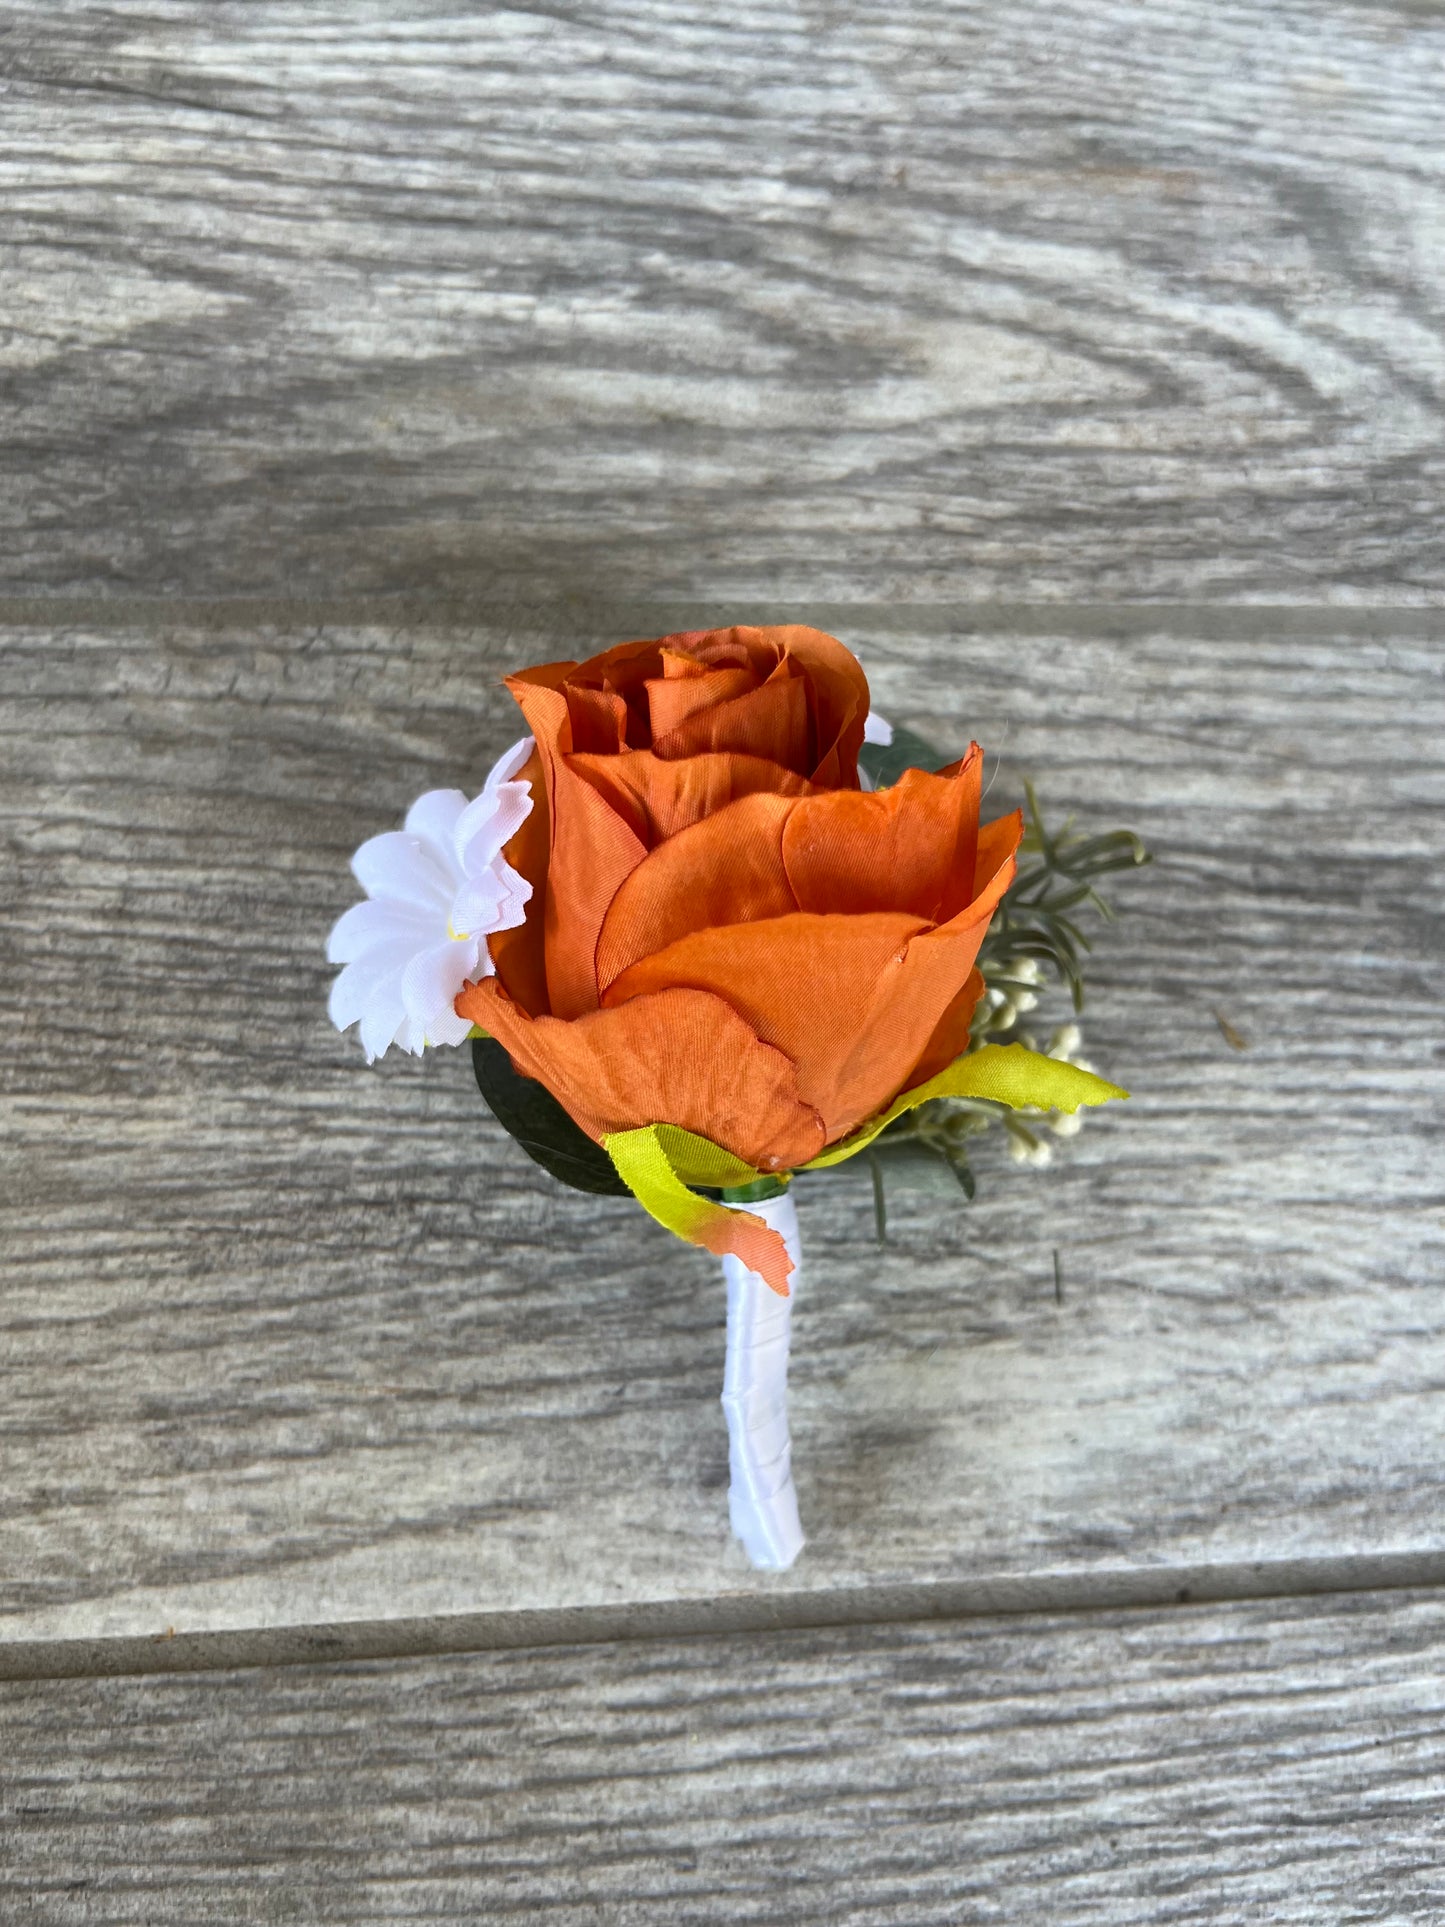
column 659, row 1164
column 880, row 1198
column 906, row 751
column 537, row 1121
column 1003, row 1073
column 915, row 1165
column 755, row 1191
column 961, row 1168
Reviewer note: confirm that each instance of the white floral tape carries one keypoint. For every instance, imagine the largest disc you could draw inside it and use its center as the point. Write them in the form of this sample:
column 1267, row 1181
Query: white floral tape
column 761, row 1498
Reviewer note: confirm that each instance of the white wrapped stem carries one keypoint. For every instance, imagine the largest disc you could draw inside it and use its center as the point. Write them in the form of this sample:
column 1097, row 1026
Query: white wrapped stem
column 761, row 1499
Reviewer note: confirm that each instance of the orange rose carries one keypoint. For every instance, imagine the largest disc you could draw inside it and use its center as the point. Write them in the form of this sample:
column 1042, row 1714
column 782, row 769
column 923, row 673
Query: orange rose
column 725, row 932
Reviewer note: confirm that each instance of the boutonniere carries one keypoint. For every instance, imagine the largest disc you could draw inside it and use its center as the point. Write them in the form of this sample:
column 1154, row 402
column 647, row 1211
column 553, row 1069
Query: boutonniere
column 712, row 923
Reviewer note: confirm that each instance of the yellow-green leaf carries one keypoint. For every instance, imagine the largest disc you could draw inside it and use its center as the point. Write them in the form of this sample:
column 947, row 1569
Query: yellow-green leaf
column 1005, row 1073
column 657, row 1162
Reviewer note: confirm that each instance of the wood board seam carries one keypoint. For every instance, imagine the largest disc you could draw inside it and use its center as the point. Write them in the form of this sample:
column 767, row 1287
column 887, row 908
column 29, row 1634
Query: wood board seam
column 1109, row 1590
column 1207, row 621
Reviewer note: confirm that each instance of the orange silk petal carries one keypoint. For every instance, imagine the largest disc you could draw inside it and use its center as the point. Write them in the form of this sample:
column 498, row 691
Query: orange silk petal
column 592, row 850
column 658, row 799
column 770, row 721
column 598, row 718
column 725, row 870
column 803, row 984
column 950, row 1034
column 840, row 689
column 674, row 663
column 518, row 954
column 911, row 1007
column 909, row 847
column 997, row 842
column 840, row 700
column 673, row 697
column 679, row 1057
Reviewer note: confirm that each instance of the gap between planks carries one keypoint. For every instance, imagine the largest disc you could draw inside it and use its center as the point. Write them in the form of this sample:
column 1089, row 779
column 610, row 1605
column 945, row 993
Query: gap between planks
column 609, row 619
column 1123, row 1588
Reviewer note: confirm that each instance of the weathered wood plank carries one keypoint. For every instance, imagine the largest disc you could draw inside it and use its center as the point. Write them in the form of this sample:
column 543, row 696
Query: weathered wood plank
column 287, row 1341
column 1278, row 1762
column 879, row 299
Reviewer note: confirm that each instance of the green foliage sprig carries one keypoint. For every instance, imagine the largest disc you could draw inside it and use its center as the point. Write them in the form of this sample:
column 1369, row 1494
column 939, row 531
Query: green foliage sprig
column 1057, row 876
column 1035, row 929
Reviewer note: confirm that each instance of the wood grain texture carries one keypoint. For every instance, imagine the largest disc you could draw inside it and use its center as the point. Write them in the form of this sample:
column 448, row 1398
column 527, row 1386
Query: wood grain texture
column 1057, row 298
column 289, row 1341
column 1279, row 1762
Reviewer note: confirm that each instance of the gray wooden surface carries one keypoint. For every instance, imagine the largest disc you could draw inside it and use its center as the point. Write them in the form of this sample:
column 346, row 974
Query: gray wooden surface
column 1082, row 362
column 295, row 1340
column 1222, row 1766
column 884, row 299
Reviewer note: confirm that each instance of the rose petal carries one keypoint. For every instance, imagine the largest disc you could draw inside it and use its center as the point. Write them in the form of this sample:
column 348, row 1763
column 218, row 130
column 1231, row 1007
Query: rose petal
column 657, row 799
column 598, row 718
column 804, row 984
column 592, row 851
column 838, row 699
column 770, row 721
column 909, row 847
column 907, row 1019
column 681, row 1057
column 997, row 842
column 672, row 699
column 726, row 870
column 950, row 1034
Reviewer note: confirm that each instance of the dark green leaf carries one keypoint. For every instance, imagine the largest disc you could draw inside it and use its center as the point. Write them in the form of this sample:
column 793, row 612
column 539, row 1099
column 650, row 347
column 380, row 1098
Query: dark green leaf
column 963, row 1171
column 880, row 1200
column 537, row 1121
column 755, row 1191
column 906, row 751
column 912, row 1165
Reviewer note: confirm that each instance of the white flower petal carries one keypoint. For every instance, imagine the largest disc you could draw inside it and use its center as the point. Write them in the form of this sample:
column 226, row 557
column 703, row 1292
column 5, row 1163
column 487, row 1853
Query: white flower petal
column 475, row 843
column 448, row 1028
column 496, row 900
column 489, row 821
column 374, row 921
column 406, row 867
column 431, row 981
column 434, row 816
column 357, row 986
column 497, row 812
column 405, row 958
column 509, row 762
column 513, row 909
column 877, row 730
column 410, row 1038
column 477, row 905
column 383, row 1017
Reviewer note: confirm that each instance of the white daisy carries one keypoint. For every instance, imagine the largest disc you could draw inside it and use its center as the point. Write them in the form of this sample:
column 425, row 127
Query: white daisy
column 436, row 890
